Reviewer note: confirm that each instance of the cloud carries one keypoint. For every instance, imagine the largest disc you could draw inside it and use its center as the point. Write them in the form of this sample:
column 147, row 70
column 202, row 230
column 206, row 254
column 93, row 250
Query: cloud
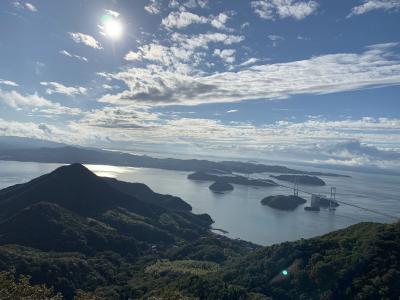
column 202, row 40
column 45, row 128
column 317, row 140
column 227, row 55
column 354, row 148
column 182, row 56
column 8, row 82
column 249, row 62
column 153, row 7
column 370, row 5
column 232, row 111
column 86, row 39
column 66, row 53
column 275, row 39
column 220, row 20
column 273, row 9
column 183, row 18
column 26, row 5
column 129, row 117
column 58, row 88
column 36, row 103
column 175, row 4
column 113, row 13
column 245, row 25
column 131, row 56
column 31, row 7
column 331, row 73
column 166, row 56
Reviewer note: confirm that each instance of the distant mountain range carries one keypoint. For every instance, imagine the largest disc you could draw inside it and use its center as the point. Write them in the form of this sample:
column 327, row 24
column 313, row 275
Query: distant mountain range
column 48, row 152
column 106, row 239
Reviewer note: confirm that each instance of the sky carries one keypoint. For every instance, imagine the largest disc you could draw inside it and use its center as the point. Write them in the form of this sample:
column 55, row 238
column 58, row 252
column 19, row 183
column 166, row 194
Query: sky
column 313, row 81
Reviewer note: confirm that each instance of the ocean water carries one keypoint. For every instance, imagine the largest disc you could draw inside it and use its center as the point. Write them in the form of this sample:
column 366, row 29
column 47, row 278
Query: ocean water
column 239, row 212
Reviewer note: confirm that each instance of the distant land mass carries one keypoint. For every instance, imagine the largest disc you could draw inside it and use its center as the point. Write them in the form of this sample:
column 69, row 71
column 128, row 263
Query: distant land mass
column 220, row 186
column 282, row 202
column 80, row 236
column 301, row 179
column 58, row 153
column 230, row 178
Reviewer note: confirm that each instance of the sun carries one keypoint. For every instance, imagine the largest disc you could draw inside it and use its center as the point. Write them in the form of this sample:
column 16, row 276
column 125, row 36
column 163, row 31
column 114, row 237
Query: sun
column 111, row 27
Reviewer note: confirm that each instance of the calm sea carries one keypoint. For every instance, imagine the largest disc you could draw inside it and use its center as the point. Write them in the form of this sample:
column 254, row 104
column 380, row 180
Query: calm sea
column 239, row 212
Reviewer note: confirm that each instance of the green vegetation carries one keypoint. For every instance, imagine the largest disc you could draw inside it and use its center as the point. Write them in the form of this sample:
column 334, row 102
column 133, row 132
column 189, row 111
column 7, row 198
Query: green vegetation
column 193, row 267
column 229, row 178
column 12, row 288
column 301, row 179
column 219, row 186
column 283, row 202
column 133, row 249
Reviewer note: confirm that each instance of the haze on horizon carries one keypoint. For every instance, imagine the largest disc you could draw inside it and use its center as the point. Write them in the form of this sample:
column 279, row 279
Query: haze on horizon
column 296, row 80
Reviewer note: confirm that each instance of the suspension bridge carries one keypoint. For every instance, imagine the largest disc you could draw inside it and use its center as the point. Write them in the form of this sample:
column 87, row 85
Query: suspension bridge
column 296, row 191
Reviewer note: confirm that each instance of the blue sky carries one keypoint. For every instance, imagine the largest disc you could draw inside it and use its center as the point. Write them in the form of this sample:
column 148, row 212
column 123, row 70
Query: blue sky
column 297, row 80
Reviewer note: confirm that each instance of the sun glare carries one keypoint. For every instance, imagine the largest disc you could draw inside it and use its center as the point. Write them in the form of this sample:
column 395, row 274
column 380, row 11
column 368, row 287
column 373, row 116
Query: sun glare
column 112, row 27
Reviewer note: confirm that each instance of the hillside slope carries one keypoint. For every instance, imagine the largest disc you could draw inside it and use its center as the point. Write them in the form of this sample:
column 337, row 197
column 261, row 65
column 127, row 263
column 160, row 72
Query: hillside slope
column 72, row 230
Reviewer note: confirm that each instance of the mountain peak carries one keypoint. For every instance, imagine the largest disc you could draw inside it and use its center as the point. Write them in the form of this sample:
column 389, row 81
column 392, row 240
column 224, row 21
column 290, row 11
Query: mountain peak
column 73, row 169
column 73, row 187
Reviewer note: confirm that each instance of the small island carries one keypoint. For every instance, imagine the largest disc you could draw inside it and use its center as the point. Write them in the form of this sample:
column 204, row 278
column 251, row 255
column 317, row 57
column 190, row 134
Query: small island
column 283, row 202
column 230, row 178
column 219, row 186
column 301, row 179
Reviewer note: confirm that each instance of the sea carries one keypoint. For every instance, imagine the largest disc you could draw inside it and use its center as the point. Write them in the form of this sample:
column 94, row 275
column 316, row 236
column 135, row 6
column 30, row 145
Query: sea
column 239, row 213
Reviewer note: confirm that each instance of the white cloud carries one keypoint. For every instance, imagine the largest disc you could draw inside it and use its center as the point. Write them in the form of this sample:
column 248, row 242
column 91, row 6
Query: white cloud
column 153, row 7
column 227, row 55
column 232, row 111
column 370, row 5
column 113, row 13
column 272, row 9
column 25, row 5
column 86, row 39
column 8, row 82
column 245, row 25
column 303, row 38
column 202, row 40
column 181, row 19
column 128, row 117
column 36, row 103
column 175, row 4
column 249, row 62
column 66, row 53
column 364, row 141
column 220, row 20
column 275, row 39
column 331, row 73
column 31, row 7
column 185, row 53
column 131, row 56
column 58, row 88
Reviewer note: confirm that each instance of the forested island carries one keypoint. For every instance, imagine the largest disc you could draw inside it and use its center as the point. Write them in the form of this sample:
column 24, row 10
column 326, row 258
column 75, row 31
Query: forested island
column 301, row 179
column 283, row 202
column 220, row 186
column 230, row 178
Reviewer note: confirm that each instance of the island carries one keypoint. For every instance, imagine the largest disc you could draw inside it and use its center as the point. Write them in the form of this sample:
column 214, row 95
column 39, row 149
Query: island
column 230, row 178
column 283, row 202
column 300, row 179
column 220, row 186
